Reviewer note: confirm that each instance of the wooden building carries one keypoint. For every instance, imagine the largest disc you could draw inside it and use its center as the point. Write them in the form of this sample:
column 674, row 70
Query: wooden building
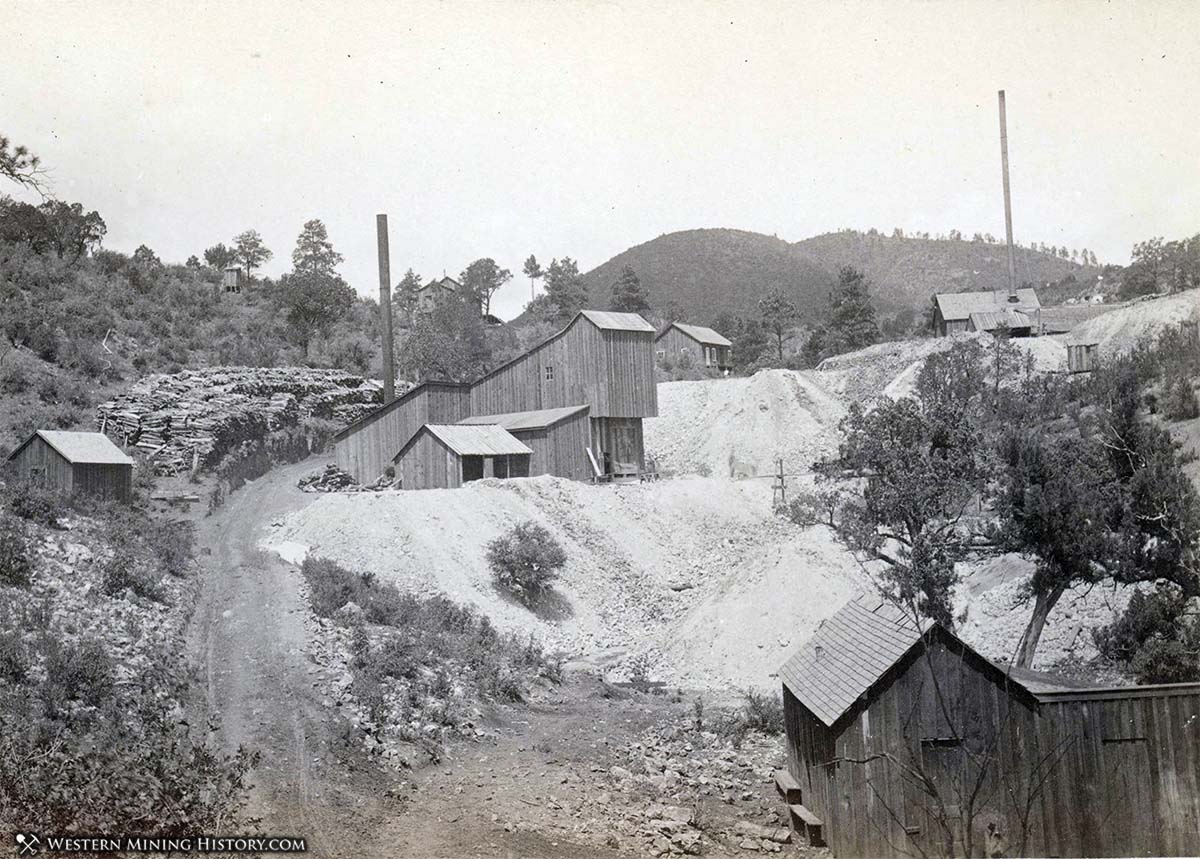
column 446, row 457
column 70, row 462
column 1016, row 323
column 233, row 278
column 559, row 438
column 577, row 398
column 1082, row 357
column 952, row 310
column 905, row 742
column 702, row 346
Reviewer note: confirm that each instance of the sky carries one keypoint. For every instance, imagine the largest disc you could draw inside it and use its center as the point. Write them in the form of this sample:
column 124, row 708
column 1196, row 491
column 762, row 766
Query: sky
column 580, row 129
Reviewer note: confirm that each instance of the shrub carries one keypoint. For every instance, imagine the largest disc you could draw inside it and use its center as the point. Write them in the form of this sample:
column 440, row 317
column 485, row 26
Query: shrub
column 14, row 656
column 331, row 586
column 16, row 552
column 815, row 507
column 173, row 544
column 35, row 502
column 762, row 712
column 125, row 570
column 76, row 673
column 1155, row 636
column 1179, row 402
column 525, row 561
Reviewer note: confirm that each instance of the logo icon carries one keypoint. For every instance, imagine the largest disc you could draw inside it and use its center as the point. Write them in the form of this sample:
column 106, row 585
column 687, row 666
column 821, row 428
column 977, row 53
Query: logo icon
column 27, row 845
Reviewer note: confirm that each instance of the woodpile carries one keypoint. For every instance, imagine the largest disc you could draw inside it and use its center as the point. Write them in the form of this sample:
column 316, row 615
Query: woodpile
column 333, row 479
column 189, row 420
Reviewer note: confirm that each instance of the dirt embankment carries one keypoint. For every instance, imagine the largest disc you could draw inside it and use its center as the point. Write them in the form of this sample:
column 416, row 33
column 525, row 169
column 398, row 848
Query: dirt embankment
column 1120, row 330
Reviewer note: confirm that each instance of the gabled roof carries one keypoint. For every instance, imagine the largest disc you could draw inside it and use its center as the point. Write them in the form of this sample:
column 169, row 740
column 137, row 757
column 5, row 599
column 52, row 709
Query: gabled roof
column 611, row 320
column 990, row 320
column 488, row 440
column 90, row 448
column 699, row 333
column 383, row 410
column 516, row 421
column 960, row 305
column 444, row 282
column 852, row 651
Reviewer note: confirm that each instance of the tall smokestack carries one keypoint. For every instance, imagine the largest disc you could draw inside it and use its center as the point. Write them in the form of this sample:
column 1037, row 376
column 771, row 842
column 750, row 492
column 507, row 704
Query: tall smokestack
column 385, row 308
column 1012, row 261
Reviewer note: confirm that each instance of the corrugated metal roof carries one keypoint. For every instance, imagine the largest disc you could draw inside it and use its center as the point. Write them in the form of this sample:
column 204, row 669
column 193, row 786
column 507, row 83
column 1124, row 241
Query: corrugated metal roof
column 960, row 305
column 539, row 419
column 698, row 332
column 93, row 448
column 990, row 320
column 486, row 440
column 847, row 655
column 614, row 321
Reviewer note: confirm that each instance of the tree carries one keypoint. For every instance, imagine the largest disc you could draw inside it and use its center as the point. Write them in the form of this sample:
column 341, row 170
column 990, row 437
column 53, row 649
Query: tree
column 482, row 279
column 219, row 256
column 250, row 251
column 778, row 313
column 312, row 302
column 19, row 165
column 314, row 252
column 533, row 271
column 144, row 256
column 565, row 289
column 404, row 297
column 628, row 295
column 71, row 232
column 447, row 343
column 193, row 261
column 851, row 314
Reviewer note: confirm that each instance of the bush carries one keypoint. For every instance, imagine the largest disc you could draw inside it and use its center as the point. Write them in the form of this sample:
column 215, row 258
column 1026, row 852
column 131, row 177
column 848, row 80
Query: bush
column 14, row 656
column 815, row 507
column 80, row 673
column 331, row 586
column 34, row 502
column 16, row 552
column 124, row 570
column 762, row 712
column 1155, row 637
column 1179, row 402
column 173, row 544
column 525, row 561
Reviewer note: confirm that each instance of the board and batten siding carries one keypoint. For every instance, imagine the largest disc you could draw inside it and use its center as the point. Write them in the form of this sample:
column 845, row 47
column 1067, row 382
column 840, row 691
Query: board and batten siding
column 612, row 371
column 560, row 449
column 427, row 463
column 1127, row 781
column 365, row 450
column 39, row 461
column 674, row 342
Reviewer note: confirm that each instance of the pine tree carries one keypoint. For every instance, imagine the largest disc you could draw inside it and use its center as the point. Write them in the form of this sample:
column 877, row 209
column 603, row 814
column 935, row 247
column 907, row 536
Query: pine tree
column 852, row 322
column 314, row 253
column 565, row 289
column 628, row 295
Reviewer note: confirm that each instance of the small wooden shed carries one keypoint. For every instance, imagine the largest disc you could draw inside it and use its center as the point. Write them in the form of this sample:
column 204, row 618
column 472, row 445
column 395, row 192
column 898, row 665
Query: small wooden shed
column 84, row 462
column 1081, row 357
column 904, row 741
column 233, row 278
column 446, row 457
column 559, row 438
column 703, row 346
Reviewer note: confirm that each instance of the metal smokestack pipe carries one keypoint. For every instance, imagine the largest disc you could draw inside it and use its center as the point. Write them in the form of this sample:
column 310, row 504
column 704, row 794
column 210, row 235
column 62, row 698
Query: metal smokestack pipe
column 1012, row 261
column 385, row 308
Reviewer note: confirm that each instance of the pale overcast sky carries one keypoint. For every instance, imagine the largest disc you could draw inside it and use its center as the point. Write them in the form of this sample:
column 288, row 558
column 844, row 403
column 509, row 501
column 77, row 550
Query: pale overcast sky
column 581, row 128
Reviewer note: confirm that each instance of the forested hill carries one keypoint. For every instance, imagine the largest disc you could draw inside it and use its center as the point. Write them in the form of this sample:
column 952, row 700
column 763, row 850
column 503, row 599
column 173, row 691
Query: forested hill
column 701, row 273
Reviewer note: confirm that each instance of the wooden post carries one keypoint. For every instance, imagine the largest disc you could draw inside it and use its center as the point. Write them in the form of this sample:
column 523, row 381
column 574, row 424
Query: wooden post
column 779, row 488
column 385, row 308
column 1008, row 230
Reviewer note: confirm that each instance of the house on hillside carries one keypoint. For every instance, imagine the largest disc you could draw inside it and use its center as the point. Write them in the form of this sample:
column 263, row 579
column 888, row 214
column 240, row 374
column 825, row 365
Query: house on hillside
column 702, row 346
column 953, row 312
column 74, row 462
column 577, row 400
column 894, row 732
column 447, row 456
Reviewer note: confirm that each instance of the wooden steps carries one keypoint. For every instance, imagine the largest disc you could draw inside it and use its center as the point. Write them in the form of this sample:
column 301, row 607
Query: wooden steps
column 788, row 787
column 805, row 821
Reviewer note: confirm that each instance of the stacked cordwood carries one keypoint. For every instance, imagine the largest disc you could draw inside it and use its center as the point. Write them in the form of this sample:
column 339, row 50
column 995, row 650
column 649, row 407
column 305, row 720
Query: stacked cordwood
column 193, row 418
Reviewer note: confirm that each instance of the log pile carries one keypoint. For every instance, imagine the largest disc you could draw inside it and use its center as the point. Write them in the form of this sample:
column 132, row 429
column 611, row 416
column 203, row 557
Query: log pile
column 333, row 479
column 191, row 419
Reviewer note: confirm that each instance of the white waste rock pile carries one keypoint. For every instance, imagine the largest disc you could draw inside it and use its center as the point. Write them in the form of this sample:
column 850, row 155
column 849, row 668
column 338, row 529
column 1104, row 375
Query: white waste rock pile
column 1121, row 329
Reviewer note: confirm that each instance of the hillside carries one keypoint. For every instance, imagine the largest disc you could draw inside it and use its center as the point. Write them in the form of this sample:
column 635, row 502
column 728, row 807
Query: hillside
column 707, row 272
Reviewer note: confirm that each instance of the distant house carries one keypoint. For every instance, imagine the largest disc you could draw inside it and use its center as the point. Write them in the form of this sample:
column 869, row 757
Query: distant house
column 952, row 311
column 444, row 456
column 429, row 294
column 703, row 346
column 576, row 401
column 893, row 731
column 233, row 278
column 74, row 462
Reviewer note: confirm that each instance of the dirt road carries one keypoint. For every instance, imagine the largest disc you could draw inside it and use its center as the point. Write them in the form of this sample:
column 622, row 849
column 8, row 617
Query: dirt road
column 496, row 797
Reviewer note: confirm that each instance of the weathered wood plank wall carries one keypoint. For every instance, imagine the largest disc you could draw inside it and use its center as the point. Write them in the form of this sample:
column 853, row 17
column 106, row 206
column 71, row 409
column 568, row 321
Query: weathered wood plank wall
column 369, row 447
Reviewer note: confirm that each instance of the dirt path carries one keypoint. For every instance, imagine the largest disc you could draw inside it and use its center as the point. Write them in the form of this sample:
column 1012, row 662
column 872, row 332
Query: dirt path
column 509, row 794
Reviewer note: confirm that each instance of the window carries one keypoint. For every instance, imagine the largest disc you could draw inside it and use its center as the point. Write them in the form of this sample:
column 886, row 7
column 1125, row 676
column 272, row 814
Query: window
column 549, row 372
column 37, row 475
column 661, row 353
column 710, row 356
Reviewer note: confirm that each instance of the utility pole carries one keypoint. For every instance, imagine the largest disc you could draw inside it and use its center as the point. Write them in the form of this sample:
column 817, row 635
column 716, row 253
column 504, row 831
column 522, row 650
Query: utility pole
column 1012, row 260
column 385, row 308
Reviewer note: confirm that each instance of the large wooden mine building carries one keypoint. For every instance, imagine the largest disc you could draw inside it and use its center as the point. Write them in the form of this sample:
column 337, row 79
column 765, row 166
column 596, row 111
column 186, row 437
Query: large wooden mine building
column 572, row 406
column 906, row 742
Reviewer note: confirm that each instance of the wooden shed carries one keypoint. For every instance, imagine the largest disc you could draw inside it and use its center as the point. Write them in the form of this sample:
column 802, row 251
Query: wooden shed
column 70, row 462
column 446, row 457
column 952, row 310
column 702, row 346
column 904, row 741
column 1081, row 357
column 233, row 278
column 559, row 438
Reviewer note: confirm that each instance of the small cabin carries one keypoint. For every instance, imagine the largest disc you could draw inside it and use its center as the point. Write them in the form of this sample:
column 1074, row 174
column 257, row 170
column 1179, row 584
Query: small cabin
column 1081, row 357
column 233, row 278
column 447, row 456
column 701, row 346
column 74, row 462
column 904, row 741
